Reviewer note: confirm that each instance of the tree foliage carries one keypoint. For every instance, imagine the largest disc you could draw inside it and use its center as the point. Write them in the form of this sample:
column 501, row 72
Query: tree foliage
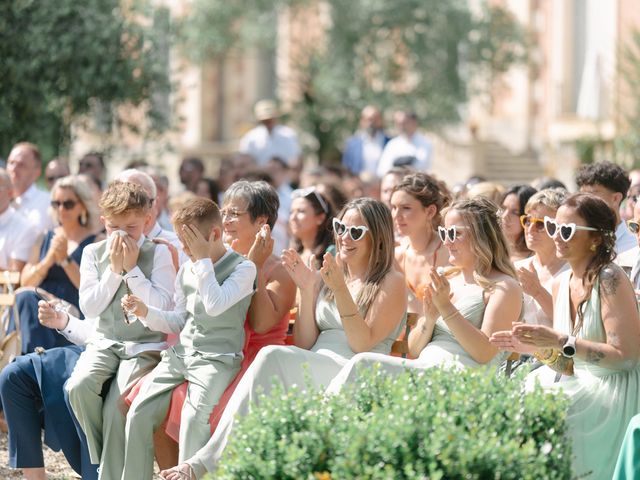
column 427, row 55
column 627, row 144
column 60, row 58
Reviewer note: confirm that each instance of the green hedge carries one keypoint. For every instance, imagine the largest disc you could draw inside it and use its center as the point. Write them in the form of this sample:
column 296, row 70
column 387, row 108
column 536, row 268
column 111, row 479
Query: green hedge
column 433, row 424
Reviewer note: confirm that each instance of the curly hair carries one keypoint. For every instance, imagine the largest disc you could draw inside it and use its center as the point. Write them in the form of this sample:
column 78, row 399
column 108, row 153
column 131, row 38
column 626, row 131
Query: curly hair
column 427, row 190
column 607, row 174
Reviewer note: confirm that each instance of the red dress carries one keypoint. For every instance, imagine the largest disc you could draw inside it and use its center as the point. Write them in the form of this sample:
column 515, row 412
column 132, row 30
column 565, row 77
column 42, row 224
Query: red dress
column 252, row 345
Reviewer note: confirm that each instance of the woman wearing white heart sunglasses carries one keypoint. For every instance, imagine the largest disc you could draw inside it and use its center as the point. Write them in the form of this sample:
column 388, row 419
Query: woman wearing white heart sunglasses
column 463, row 307
column 594, row 338
column 355, row 303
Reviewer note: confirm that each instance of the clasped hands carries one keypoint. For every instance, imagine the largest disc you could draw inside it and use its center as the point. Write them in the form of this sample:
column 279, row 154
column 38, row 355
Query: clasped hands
column 436, row 297
column 123, row 254
column 527, row 338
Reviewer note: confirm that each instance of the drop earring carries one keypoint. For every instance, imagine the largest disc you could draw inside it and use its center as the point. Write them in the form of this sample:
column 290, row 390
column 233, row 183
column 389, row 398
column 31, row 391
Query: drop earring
column 83, row 219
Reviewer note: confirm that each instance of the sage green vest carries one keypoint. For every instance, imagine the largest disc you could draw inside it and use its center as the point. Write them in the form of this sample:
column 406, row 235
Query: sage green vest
column 203, row 333
column 111, row 323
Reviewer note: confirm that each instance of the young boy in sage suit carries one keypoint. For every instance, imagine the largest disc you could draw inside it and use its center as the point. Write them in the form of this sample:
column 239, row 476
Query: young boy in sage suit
column 213, row 293
column 117, row 350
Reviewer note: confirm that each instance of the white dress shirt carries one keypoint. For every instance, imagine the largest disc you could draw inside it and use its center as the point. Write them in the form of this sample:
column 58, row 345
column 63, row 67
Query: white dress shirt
column 97, row 292
column 281, row 142
column 417, row 146
column 17, row 236
column 34, row 206
column 216, row 298
column 372, row 148
column 625, row 240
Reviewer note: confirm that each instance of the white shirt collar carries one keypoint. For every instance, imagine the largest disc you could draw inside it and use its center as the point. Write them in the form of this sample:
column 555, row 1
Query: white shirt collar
column 155, row 231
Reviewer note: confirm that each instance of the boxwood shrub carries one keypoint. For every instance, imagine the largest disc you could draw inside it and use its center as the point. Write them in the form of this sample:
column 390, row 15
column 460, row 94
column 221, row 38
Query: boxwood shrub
column 432, row 424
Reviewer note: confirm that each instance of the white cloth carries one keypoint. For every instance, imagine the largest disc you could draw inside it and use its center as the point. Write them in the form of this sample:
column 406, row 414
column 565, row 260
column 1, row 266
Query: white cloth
column 216, row 298
column 17, row 236
column 96, row 291
column 625, row 240
column 262, row 146
column 417, row 146
column 34, row 206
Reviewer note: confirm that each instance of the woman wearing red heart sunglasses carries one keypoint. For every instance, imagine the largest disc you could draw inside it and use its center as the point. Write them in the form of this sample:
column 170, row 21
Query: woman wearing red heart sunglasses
column 594, row 339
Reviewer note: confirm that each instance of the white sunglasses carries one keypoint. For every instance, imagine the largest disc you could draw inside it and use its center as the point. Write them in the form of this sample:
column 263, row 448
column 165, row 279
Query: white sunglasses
column 566, row 230
column 356, row 232
column 450, row 233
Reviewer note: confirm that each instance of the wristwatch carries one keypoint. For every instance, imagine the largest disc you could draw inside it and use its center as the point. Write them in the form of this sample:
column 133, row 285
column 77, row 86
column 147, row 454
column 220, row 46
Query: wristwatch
column 569, row 348
column 65, row 263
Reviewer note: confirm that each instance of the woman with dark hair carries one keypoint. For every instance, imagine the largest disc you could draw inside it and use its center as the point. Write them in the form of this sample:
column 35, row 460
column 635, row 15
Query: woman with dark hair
column 594, row 338
column 353, row 307
column 54, row 266
column 310, row 224
column 416, row 205
column 512, row 208
column 208, row 188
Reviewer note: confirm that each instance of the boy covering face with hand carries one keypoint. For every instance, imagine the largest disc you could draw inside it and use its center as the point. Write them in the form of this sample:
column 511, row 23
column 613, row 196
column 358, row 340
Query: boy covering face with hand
column 213, row 293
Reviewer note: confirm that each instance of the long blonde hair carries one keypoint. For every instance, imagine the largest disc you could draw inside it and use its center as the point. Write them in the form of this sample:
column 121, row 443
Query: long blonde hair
column 377, row 218
column 487, row 240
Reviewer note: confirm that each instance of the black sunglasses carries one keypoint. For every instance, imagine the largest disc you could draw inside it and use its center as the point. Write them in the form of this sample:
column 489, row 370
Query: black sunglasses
column 67, row 204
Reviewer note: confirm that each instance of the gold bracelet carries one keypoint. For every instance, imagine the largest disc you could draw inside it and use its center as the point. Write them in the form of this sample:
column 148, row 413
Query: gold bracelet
column 549, row 359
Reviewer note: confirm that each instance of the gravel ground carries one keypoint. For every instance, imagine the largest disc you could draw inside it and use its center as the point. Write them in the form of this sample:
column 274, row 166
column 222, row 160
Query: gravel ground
column 55, row 463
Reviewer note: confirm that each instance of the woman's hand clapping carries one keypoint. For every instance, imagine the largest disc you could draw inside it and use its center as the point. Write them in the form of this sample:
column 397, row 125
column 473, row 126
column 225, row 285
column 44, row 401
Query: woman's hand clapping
column 301, row 275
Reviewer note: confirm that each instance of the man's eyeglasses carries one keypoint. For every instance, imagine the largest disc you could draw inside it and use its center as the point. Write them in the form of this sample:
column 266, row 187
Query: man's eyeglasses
column 529, row 221
column 356, row 232
column 633, row 226
column 67, row 204
column 311, row 191
column 565, row 230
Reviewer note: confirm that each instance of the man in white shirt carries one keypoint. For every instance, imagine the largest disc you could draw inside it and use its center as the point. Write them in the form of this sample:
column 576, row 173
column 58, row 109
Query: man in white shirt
column 17, row 235
column 270, row 139
column 25, row 166
column 409, row 148
column 363, row 150
column 609, row 182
